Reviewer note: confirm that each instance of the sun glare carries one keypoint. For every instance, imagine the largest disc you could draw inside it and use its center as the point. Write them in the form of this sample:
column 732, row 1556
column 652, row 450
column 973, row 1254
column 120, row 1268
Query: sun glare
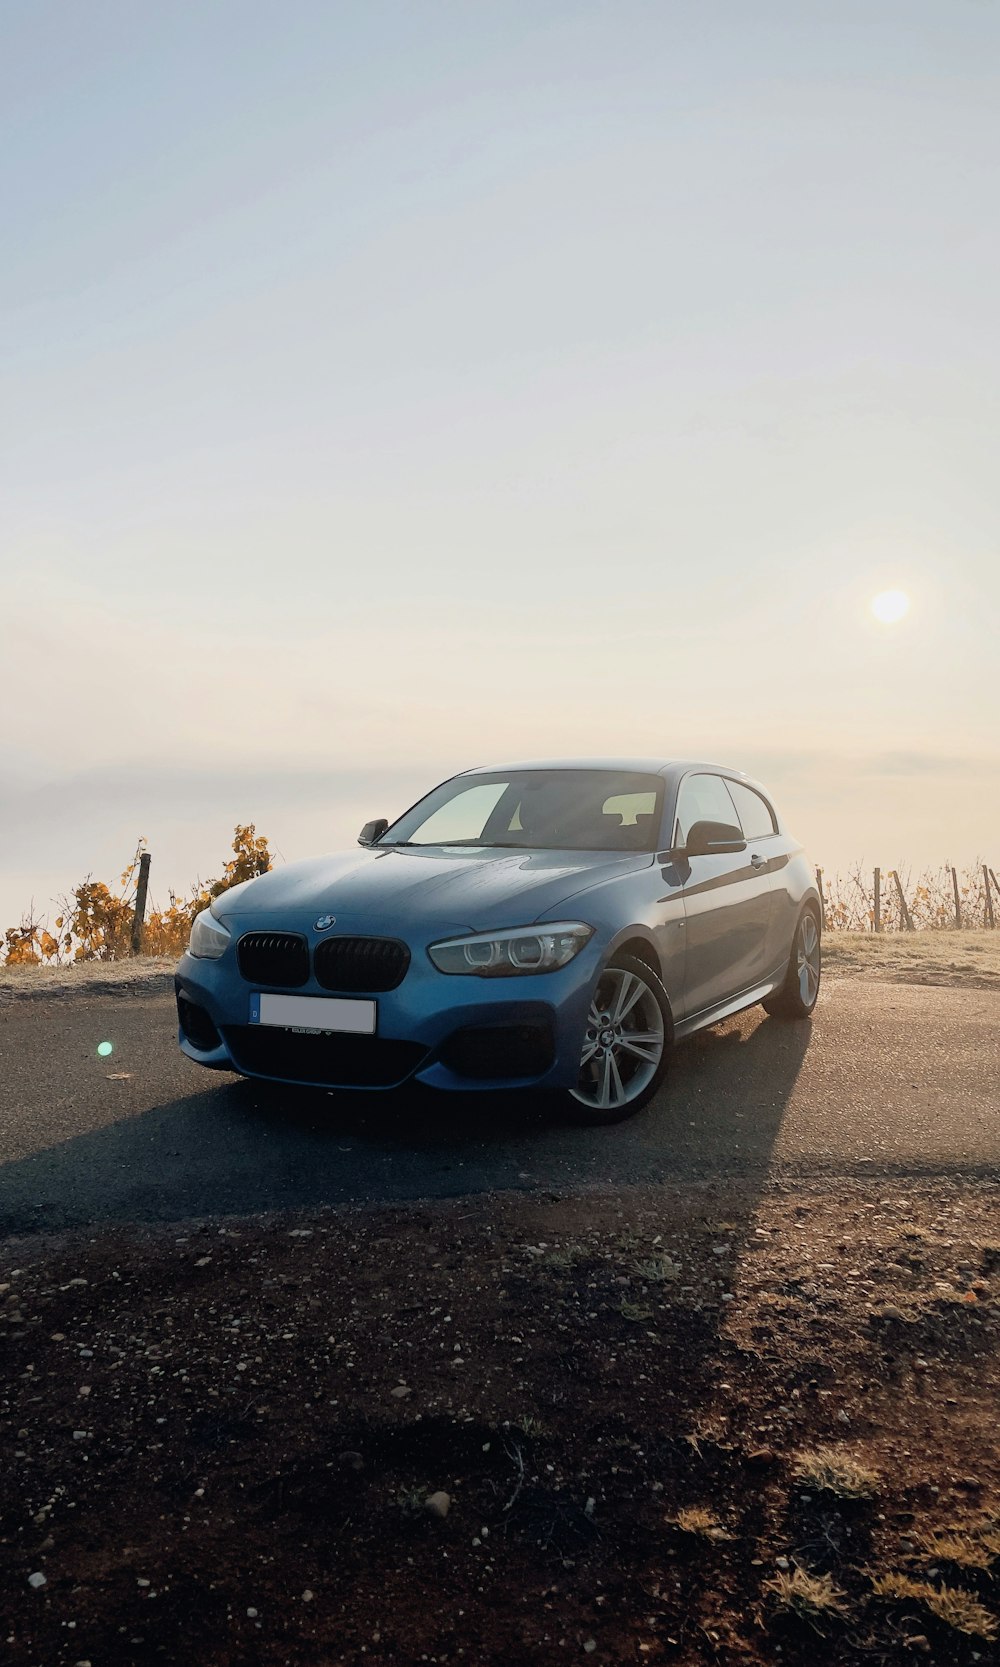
column 889, row 606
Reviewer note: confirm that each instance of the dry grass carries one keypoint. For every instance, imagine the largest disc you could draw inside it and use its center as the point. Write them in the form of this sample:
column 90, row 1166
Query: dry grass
column 961, row 1550
column 142, row 975
column 946, row 957
column 811, row 1597
column 828, row 1470
column 698, row 1520
column 948, row 1604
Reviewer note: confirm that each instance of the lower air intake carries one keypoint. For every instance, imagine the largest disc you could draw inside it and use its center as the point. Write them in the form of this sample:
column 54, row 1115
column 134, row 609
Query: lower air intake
column 500, row 1051
column 329, row 1061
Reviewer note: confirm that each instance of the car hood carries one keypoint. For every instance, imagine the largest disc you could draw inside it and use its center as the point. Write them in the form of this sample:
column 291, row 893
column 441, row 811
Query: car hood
column 392, row 890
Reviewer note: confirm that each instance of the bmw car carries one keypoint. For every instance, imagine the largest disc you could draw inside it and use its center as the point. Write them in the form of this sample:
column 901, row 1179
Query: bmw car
column 553, row 926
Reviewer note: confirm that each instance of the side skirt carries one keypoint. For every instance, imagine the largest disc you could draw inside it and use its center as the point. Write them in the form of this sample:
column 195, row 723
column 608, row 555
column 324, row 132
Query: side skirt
column 726, row 1009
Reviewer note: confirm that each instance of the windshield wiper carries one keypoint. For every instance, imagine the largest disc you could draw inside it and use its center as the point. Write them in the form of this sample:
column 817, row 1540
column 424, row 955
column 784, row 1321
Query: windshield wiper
column 488, row 844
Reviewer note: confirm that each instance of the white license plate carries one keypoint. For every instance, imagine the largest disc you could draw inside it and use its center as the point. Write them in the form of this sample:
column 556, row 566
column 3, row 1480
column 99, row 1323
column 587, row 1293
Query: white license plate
column 314, row 1014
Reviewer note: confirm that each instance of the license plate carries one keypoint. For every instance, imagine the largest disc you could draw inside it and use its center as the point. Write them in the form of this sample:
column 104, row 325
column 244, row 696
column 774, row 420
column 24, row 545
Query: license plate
column 312, row 1015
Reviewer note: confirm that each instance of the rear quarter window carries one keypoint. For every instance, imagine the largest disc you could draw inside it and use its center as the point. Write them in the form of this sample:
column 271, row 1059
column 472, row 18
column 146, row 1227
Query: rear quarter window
column 756, row 816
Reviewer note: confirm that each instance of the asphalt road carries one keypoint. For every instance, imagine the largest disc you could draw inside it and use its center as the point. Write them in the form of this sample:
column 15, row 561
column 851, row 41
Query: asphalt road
column 893, row 1079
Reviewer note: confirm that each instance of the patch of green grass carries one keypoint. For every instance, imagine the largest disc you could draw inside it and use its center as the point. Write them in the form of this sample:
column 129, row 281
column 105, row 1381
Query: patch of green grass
column 532, row 1427
column 565, row 1256
column 657, row 1269
column 633, row 1311
column 828, row 1470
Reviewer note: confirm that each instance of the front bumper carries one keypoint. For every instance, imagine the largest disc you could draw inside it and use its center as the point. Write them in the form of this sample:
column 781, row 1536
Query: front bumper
column 449, row 1032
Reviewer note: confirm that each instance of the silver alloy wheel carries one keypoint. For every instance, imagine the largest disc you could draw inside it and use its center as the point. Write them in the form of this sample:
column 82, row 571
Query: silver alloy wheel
column 807, row 960
column 623, row 1044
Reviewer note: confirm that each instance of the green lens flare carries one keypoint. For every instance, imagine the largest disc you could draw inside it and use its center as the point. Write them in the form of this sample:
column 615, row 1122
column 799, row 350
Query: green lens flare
column 104, row 1048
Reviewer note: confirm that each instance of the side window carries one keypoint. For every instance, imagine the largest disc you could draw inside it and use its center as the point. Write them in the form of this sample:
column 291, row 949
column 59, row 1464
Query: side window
column 756, row 815
column 703, row 799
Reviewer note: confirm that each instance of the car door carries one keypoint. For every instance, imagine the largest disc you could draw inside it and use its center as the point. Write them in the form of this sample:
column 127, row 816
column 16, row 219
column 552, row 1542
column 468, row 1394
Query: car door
column 727, row 902
column 768, row 848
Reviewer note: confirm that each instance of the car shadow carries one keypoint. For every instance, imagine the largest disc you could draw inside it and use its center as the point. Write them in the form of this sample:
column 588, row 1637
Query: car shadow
column 240, row 1147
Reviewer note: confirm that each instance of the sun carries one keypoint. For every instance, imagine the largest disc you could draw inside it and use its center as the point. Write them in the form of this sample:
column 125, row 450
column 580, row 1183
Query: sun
column 890, row 606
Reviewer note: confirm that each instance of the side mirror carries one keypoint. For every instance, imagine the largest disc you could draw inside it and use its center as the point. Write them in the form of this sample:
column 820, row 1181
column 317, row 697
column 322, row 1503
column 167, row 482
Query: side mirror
column 373, row 831
column 713, row 839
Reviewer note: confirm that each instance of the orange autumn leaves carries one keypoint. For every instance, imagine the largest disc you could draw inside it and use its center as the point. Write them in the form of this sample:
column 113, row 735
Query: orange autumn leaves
column 94, row 922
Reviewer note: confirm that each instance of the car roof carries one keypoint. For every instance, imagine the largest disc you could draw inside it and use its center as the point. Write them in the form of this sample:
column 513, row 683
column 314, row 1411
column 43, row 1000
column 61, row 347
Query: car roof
column 634, row 766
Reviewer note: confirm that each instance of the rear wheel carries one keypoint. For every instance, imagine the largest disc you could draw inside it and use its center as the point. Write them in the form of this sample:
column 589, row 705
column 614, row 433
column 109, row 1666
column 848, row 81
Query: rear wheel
column 798, row 994
column 626, row 1044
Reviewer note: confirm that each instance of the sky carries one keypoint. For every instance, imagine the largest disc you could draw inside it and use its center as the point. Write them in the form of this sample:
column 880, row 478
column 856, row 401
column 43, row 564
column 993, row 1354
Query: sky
column 393, row 388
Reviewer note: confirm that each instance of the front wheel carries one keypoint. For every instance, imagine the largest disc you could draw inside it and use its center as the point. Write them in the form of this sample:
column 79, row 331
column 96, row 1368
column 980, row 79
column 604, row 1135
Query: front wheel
column 798, row 994
column 626, row 1044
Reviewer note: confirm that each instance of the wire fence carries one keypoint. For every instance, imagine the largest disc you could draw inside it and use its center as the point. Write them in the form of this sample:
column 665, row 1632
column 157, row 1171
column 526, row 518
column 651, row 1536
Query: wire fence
column 98, row 923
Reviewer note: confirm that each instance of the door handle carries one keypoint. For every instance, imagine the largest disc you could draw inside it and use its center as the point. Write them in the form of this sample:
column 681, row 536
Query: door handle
column 757, row 861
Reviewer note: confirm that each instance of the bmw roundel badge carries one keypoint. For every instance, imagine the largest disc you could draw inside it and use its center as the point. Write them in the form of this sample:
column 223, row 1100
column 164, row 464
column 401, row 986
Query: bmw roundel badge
column 324, row 923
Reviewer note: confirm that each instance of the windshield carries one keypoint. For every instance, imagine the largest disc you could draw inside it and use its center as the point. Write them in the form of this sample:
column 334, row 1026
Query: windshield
column 538, row 810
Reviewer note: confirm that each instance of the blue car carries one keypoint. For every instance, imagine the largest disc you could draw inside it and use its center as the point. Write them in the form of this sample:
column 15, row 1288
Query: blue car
column 553, row 926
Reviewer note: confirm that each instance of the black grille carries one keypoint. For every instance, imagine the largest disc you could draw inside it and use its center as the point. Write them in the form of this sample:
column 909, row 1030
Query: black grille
column 368, row 964
column 334, row 1061
column 275, row 958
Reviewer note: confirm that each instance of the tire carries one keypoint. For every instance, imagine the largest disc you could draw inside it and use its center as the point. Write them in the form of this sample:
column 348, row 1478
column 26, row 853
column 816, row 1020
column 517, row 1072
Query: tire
column 799, row 993
column 610, row 1092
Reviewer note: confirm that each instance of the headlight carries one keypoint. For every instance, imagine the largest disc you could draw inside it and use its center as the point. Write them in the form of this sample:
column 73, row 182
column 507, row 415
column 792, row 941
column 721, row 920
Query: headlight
column 519, row 949
column 209, row 938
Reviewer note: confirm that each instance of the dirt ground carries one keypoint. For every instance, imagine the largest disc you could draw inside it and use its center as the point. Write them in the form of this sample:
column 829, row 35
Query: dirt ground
column 709, row 1424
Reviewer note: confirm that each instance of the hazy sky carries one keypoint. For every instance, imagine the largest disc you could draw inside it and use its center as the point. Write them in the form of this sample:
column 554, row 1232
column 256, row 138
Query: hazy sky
column 394, row 387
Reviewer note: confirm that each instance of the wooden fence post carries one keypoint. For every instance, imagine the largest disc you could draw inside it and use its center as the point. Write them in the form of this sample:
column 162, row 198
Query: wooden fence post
column 822, row 899
column 958, row 901
column 140, row 902
column 878, row 899
column 907, row 918
column 996, row 882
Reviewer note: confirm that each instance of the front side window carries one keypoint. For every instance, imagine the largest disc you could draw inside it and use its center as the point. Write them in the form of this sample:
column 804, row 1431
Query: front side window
column 547, row 810
column 703, row 798
column 756, row 816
